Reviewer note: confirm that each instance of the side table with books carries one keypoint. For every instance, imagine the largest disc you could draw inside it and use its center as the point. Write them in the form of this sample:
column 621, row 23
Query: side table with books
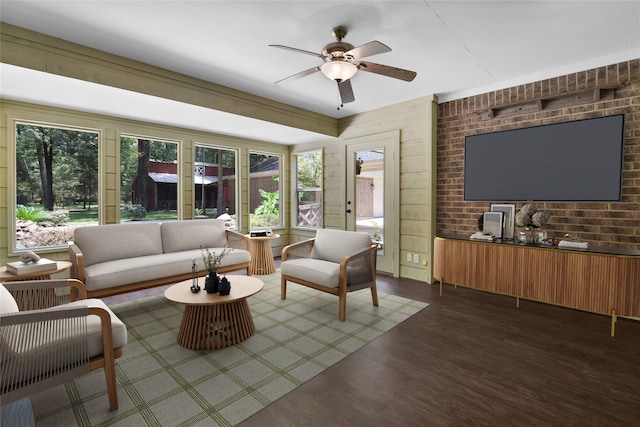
column 37, row 273
column 44, row 297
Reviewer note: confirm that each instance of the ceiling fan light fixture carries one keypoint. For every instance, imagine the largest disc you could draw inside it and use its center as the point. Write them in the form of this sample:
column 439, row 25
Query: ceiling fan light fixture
column 338, row 70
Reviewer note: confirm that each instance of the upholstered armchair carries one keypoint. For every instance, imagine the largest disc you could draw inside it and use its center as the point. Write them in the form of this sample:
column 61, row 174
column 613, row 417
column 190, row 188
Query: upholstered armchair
column 50, row 333
column 335, row 261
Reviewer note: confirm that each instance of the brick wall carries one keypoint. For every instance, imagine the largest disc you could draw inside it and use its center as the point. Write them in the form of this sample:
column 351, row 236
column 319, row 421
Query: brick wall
column 603, row 91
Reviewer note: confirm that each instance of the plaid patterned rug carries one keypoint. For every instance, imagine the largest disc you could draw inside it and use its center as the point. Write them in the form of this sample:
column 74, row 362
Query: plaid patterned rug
column 163, row 384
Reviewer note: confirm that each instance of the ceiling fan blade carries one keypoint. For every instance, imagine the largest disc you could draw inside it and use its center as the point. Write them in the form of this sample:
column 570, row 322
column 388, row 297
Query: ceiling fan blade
column 369, row 49
column 299, row 75
column 295, row 49
column 385, row 70
column 346, row 91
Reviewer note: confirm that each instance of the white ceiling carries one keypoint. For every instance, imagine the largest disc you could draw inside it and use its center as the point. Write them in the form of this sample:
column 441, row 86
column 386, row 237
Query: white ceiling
column 457, row 48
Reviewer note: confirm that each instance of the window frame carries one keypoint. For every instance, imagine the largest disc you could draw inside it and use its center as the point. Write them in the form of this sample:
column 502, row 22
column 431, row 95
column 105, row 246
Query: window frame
column 296, row 189
column 281, row 195
column 236, row 191
column 179, row 183
column 12, row 184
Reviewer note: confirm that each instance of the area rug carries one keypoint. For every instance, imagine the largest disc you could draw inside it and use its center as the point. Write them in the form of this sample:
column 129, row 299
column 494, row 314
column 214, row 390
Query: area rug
column 163, row 384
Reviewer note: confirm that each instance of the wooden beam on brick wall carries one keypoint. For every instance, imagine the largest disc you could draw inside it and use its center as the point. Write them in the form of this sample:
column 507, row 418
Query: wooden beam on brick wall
column 564, row 101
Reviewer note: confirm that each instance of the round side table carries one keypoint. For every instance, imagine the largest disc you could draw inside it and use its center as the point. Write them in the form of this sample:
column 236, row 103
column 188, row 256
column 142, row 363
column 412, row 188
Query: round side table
column 261, row 256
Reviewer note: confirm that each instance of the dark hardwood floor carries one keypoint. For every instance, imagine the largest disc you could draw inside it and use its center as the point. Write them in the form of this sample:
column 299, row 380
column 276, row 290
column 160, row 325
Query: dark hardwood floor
column 474, row 359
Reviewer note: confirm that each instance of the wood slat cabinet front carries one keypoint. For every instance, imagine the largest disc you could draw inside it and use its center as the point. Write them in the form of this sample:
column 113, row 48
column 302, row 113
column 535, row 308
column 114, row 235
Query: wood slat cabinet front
column 604, row 283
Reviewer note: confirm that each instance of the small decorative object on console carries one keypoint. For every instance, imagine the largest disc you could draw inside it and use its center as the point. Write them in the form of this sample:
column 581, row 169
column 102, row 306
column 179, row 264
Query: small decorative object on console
column 573, row 242
column 531, row 219
column 479, row 235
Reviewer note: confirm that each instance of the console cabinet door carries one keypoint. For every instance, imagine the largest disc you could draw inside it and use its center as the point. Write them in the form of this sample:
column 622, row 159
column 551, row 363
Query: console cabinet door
column 537, row 272
column 586, row 282
column 625, row 283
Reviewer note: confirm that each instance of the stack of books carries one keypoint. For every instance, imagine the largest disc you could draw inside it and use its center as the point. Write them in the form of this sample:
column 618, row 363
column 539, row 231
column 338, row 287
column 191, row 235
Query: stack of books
column 573, row 244
column 42, row 265
column 481, row 236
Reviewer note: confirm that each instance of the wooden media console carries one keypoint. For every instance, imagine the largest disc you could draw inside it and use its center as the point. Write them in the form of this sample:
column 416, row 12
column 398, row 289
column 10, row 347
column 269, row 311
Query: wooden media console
column 600, row 280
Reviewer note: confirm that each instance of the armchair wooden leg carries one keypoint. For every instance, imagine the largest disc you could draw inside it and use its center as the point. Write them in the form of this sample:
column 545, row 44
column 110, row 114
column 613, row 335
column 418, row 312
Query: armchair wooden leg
column 283, row 288
column 374, row 295
column 342, row 307
column 112, row 388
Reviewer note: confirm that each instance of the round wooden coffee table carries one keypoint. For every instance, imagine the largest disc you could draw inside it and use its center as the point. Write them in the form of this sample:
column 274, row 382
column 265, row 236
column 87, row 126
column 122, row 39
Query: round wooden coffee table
column 211, row 321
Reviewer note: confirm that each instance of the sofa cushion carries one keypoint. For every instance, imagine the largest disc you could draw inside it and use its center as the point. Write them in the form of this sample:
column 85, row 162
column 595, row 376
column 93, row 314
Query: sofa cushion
column 333, row 245
column 118, row 241
column 139, row 269
column 185, row 235
column 325, row 273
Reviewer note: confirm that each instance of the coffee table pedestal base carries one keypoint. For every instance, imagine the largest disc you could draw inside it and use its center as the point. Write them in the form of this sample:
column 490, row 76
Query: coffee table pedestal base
column 209, row 327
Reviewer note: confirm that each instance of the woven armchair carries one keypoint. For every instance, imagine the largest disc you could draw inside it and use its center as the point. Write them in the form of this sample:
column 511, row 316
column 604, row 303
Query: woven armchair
column 335, row 261
column 50, row 334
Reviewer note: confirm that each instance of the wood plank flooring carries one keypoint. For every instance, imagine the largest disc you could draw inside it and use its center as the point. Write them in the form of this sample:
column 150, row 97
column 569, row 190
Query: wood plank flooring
column 474, row 359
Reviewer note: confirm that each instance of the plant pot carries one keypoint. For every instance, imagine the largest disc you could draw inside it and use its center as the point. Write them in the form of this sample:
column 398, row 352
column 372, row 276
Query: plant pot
column 211, row 283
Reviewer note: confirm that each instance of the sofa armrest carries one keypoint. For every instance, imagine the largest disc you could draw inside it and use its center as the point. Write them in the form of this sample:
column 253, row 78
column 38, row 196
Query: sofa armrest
column 300, row 249
column 237, row 240
column 77, row 262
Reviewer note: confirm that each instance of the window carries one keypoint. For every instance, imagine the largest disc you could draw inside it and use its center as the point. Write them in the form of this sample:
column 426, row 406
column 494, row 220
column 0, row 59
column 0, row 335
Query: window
column 264, row 190
column 56, row 184
column 148, row 179
column 214, row 180
column 309, row 189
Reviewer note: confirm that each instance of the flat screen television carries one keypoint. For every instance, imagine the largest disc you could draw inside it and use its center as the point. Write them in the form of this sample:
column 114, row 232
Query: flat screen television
column 573, row 161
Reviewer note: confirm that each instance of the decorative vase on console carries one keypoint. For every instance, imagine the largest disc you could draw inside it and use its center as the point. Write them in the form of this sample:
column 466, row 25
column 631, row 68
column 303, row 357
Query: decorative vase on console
column 212, row 262
column 531, row 220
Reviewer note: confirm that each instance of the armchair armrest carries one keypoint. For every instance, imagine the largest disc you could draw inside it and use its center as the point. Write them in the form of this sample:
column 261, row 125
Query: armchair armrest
column 358, row 271
column 300, row 249
column 56, row 353
column 41, row 294
column 77, row 262
column 237, row 240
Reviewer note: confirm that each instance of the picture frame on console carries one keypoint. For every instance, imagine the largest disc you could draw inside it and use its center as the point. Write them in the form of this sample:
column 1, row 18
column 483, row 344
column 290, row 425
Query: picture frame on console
column 509, row 218
column 493, row 224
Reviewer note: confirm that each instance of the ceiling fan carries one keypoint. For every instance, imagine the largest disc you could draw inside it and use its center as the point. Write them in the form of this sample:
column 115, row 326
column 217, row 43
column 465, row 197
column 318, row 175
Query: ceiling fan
column 342, row 61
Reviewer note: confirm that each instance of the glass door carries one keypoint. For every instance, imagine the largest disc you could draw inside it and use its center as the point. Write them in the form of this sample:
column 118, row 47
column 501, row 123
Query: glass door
column 372, row 194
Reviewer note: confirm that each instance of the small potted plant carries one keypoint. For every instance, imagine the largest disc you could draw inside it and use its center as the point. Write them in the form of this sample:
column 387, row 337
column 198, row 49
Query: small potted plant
column 212, row 262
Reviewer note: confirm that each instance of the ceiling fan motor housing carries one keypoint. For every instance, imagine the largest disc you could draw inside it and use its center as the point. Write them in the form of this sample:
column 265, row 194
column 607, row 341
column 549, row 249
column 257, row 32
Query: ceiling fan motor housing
column 337, row 50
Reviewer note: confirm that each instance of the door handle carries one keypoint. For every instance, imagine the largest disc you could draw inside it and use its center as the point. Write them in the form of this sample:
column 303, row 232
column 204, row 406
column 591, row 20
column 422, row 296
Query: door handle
column 348, row 210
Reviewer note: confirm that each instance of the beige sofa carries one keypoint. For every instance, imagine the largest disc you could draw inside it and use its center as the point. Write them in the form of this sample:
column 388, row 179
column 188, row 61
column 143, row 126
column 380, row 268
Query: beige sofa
column 117, row 258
